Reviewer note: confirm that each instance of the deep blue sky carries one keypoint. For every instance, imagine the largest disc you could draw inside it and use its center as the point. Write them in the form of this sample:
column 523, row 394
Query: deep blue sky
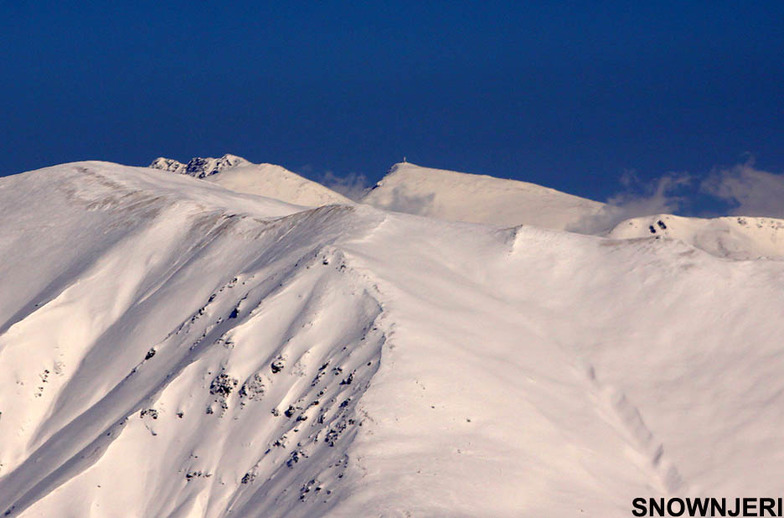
column 564, row 94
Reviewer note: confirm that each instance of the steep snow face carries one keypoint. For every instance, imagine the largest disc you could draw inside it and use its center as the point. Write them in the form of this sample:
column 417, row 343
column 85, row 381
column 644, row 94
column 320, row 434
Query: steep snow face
column 165, row 331
column 199, row 167
column 178, row 349
column 477, row 199
column 268, row 180
column 730, row 237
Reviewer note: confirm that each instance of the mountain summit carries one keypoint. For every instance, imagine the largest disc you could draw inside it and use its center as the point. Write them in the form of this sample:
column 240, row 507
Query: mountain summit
column 199, row 167
column 477, row 198
column 268, row 180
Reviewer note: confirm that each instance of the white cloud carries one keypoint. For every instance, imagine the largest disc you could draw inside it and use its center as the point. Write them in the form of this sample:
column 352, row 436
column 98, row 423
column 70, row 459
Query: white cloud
column 656, row 197
column 353, row 185
column 751, row 191
column 638, row 198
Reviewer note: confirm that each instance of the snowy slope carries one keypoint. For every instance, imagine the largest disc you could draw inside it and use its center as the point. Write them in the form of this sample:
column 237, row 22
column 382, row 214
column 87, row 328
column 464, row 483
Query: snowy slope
column 171, row 348
column 272, row 181
column 731, row 237
column 477, row 198
column 276, row 182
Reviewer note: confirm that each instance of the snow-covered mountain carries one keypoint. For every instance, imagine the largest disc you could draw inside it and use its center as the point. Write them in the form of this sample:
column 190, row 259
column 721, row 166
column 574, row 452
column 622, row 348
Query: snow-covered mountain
column 731, row 237
column 475, row 198
column 240, row 175
column 173, row 348
column 455, row 196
